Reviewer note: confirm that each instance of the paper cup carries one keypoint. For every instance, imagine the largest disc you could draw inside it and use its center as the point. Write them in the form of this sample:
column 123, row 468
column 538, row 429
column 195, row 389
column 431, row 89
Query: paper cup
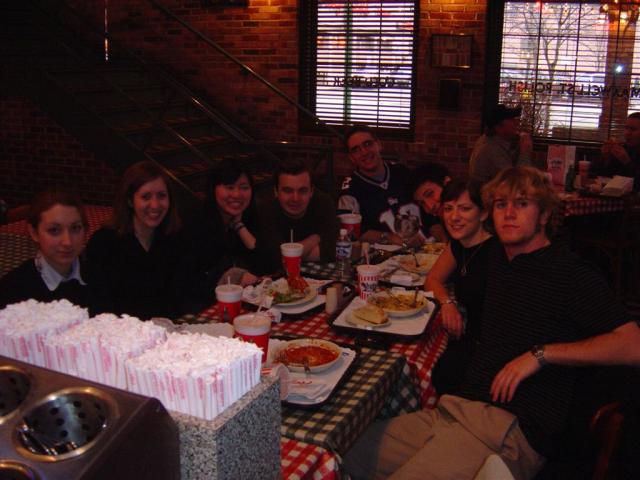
column 583, row 169
column 351, row 222
column 368, row 276
column 254, row 328
column 291, row 258
column 229, row 297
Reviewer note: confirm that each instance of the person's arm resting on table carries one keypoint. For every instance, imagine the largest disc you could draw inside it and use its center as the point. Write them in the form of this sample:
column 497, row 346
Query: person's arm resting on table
column 311, row 248
column 618, row 347
column 438, row 275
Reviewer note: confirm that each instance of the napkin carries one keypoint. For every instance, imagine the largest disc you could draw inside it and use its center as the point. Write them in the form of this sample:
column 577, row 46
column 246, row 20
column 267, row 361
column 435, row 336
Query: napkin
column 401, row 278
column 618, row 186
column 307, row 386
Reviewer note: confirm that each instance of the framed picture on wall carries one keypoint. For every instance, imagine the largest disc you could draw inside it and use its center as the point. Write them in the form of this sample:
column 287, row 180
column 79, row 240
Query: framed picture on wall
column 451, row 51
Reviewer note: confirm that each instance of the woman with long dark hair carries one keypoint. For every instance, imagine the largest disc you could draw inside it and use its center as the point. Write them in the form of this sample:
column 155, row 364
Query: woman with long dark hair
column 464, row 264
column 133, row 263
column 220, row 238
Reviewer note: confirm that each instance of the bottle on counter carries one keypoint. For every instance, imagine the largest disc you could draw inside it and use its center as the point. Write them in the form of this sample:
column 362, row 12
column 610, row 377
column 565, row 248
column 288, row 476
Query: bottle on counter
column 570, row 179
column 343, row 255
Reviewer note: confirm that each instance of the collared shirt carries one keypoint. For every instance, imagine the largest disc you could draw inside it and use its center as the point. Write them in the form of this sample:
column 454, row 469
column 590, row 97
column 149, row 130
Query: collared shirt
column 51, row 278
column 491, row 154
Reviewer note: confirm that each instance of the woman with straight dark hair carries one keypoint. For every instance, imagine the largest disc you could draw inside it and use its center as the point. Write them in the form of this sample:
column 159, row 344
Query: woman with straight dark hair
column 220, row 237
column 464, row 264
column 57, row 224
column 133, row 263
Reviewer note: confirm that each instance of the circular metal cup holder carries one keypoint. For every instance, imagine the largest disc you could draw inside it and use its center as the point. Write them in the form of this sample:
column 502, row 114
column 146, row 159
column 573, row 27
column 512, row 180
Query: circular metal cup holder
column 65, row 424
column 15, row 471
column 14, row 387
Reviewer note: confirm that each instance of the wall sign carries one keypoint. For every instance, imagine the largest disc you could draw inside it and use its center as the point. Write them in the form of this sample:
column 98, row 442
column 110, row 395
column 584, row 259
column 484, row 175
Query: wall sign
column 451, row 51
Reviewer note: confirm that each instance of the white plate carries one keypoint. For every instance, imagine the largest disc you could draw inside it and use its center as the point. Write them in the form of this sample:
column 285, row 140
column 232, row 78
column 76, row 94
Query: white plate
column 421, row 303
column 358, row 322
column 312, row 293
column 404, row 327
column 306, row 342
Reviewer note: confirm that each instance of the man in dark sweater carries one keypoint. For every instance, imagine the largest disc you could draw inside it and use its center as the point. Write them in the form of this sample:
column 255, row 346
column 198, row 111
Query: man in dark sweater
column 545, row 312
column 300, row 209
column 623, row 159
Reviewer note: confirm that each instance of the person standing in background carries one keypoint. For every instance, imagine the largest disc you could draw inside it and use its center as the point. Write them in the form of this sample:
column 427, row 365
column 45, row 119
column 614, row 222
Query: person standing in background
column 503, row 145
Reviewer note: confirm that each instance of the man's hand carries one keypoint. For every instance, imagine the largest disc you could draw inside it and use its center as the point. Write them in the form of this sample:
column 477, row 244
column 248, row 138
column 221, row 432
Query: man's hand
column 618, row 152
column 505, row 383
column 451, row 319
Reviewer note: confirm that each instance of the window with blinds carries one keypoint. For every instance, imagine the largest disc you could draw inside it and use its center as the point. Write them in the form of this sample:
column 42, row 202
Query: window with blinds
column 358, row 61
column 572, row 66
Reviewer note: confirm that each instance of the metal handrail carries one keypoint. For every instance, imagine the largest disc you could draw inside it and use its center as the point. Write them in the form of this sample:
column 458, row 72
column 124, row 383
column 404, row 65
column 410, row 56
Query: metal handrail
column 247, row 69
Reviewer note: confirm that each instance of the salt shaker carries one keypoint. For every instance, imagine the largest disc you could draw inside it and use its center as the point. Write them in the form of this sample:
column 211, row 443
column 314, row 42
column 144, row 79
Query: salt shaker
column 331, row 302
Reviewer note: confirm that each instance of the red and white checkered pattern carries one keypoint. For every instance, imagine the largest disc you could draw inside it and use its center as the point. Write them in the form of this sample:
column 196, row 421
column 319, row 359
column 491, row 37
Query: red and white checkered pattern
column 575, row 205
column 96, row 216
column 301, row 460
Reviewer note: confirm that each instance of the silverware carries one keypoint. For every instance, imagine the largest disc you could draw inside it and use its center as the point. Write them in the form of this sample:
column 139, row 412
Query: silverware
column 415, row 298
column 305, row 363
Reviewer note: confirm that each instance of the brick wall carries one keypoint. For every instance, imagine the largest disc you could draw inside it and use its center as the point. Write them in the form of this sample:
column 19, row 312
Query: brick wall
column 36, row 153
column 265, row 37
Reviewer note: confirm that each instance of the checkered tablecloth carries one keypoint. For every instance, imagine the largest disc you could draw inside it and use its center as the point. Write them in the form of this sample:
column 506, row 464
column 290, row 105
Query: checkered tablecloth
column 302, row 460
column 14, row 249
column 96, row 216
column 574, row 205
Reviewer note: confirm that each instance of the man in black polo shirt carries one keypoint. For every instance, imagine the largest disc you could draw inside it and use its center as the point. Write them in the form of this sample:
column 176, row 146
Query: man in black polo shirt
column 545, row 312
column 299, row 209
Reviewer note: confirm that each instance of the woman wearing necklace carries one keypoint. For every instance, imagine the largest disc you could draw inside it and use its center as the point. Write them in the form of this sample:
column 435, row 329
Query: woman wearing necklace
column 133, row 262
column 464, row 264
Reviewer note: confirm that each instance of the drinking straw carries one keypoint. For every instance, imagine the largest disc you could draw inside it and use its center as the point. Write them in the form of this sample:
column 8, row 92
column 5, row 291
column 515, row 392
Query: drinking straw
column 366, row 256
column 291, row 235
column 229, row 279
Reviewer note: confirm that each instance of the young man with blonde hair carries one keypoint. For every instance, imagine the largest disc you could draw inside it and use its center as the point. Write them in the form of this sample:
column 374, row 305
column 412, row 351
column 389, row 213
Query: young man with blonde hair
column 545, row 312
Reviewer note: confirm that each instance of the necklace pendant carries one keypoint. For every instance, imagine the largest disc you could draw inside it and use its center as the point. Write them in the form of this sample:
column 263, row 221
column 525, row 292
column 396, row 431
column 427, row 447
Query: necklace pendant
column 463, row 271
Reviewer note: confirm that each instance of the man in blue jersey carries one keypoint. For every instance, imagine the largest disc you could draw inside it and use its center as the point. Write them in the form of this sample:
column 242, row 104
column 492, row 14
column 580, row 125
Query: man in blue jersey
column 380, row 192
column 545, row 312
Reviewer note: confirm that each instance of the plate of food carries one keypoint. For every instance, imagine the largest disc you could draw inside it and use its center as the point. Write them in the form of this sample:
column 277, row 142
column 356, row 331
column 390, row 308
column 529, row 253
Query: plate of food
column 287, row 293
column 419, row 263
column 312, row 353
column 399, row 304
column 435, row 248
column 368, row 316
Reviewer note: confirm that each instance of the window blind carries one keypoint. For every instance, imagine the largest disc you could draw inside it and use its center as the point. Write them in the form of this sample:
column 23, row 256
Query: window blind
column 571, row 66
column 364, row 59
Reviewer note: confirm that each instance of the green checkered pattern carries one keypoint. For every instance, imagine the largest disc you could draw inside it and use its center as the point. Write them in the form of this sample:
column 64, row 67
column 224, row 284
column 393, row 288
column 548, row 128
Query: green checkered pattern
column 377, row 376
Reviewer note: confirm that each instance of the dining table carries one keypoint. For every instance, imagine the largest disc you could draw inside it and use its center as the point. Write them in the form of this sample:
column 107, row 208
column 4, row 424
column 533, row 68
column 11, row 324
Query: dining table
column 386, row 379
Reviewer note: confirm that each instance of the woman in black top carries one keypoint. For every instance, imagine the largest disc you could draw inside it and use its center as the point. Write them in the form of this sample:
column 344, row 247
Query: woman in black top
column 463, row 263
column 58, row 224
column 220, row 237
column 133, row 263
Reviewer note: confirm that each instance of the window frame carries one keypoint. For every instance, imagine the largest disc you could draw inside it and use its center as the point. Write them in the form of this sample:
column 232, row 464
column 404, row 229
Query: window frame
column 493, row 65
column 308, row 33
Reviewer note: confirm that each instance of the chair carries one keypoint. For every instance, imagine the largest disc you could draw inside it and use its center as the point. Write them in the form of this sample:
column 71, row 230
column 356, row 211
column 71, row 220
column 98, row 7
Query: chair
column 621, row 241
column 606, row 426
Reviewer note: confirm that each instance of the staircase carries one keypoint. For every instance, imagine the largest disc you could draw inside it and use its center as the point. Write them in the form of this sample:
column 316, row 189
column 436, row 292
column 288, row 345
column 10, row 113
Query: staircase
column 124, row 108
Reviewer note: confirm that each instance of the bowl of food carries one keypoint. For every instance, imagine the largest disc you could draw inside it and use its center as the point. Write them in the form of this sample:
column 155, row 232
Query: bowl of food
column 308, row 354
column 399, row 304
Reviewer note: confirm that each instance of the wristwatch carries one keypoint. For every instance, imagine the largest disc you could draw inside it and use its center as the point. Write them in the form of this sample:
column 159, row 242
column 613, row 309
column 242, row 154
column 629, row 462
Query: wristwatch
column 538, row 352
